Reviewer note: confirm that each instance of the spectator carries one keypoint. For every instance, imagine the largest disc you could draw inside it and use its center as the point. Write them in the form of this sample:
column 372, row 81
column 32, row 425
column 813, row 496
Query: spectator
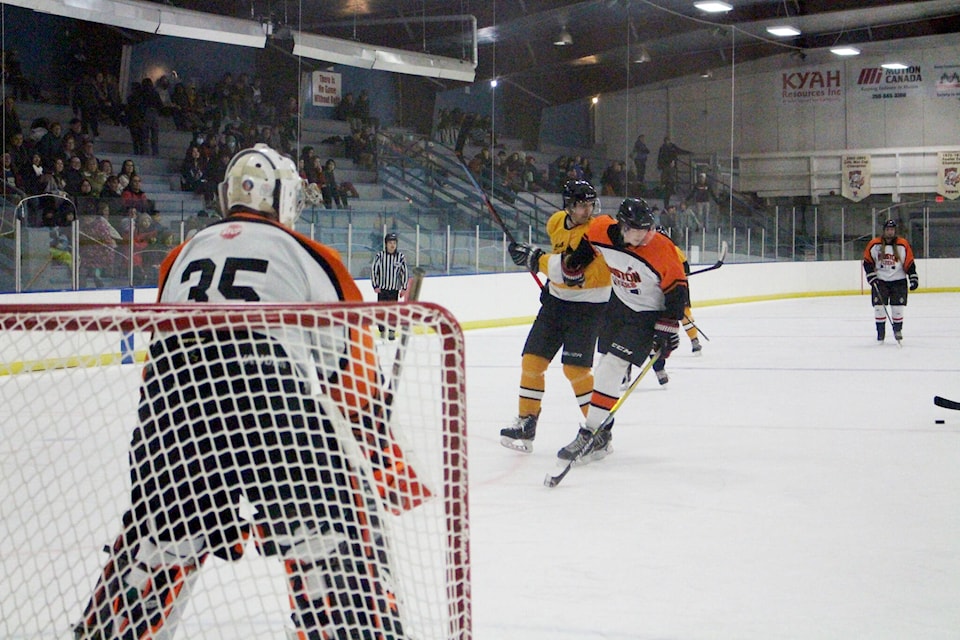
column 12, row 183
column 11, row 119
column 134, row 196
column 193, row 174
column 702, row 198
column 51, row 144
column 90, row 170
column 152, row 105
column 86, row 151
column 329, row 190
column 108, row 98
column 346, row 108
column 111, row 193
column 136, row 118
column 362, row 112
column 614, row 180
column 20, row 154
column 85, row 199
column 33, row 177
column 75, row 132
column 73, row 175
column 98, row 241
column 532, row 176
column 86, row 104
column 640, row 154
column 127, row 170
column 667, row 164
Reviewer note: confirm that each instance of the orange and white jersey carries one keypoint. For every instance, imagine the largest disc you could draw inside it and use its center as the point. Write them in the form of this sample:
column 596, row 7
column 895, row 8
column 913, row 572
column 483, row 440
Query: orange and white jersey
column 247, row 258
column 642, row 277
column 889, row 260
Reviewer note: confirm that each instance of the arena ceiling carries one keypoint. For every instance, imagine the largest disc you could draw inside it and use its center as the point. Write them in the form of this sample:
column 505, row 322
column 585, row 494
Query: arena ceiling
column 612, row 44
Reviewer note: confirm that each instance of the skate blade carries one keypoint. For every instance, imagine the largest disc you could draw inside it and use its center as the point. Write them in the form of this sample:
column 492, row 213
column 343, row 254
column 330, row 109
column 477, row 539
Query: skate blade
column 593, row 456
column 523, row 446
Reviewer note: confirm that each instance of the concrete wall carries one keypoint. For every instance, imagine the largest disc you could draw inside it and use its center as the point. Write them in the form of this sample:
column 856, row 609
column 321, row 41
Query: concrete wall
column 500, row 299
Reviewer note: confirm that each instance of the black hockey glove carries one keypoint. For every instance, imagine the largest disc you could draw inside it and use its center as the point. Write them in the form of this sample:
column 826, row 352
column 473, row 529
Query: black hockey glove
column 914, row 281
column 666, row 335
column 871, row 278
column 574, row 262
column 525, row 255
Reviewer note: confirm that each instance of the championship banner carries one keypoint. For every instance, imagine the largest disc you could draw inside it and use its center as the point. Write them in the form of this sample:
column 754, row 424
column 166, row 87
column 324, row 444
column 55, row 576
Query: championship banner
column 325, row 88
column 855, row 177
column 948, row 174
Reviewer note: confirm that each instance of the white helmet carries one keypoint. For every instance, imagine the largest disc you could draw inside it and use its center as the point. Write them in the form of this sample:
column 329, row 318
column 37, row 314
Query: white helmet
column 263, row 180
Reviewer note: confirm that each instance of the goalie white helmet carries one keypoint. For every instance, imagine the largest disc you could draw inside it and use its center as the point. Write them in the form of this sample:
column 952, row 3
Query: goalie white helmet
column 260, row 179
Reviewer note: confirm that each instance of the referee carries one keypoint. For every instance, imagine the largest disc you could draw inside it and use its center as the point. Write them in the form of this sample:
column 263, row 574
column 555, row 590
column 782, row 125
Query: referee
column 388, row 274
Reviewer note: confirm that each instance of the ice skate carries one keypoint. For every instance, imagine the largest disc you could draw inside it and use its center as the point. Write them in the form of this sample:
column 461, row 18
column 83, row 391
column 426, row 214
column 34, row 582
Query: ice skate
column 519, row 437
column 586, row 448
column 695, row 347
column 662, row 377
column 881, row 332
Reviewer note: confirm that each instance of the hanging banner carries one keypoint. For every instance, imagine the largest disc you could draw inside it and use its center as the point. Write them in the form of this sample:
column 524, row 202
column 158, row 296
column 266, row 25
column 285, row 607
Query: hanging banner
column 948, row 180
column 326, row 88
column 855, row 177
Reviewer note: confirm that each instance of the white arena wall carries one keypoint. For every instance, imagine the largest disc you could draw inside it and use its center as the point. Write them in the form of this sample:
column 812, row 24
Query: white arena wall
column 489, row 300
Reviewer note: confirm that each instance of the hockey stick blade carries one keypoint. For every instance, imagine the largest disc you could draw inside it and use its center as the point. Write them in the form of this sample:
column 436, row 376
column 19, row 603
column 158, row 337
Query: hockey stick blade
column 946, row 403
column 551, row 481
column 715, row 265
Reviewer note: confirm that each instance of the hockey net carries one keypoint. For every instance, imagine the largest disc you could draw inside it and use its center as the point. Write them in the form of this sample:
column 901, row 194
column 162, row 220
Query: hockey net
column 248, row 471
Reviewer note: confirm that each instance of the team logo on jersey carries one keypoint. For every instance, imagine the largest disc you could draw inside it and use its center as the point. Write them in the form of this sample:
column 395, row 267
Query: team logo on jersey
column 231, row 231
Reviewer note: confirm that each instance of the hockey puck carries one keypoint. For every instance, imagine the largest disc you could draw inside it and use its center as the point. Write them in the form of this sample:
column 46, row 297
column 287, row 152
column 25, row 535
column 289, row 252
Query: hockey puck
column 940, row 421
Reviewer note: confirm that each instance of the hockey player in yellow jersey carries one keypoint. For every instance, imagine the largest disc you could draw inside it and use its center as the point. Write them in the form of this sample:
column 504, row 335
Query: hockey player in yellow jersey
column 571, row 305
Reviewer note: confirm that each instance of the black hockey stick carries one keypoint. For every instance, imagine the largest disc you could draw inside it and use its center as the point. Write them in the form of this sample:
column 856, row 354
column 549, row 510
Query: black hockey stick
column 715, row 265
column 416, row 283
column 552, row 481
column 693, row 324
column 493, row 212
column 946, row 403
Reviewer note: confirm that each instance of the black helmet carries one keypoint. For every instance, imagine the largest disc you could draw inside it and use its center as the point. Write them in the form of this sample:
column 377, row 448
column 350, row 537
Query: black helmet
column 635, row 213
column 890, row 224
column 578, row 191
column 390, row 236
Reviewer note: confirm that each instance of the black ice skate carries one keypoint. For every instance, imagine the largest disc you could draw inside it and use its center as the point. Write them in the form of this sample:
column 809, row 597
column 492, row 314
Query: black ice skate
column 519, row 437
column 696, row 347
column 586, row 447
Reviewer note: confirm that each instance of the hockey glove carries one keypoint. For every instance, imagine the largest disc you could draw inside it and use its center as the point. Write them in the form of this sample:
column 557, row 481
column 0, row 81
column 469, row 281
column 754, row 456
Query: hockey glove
column 666, row 336
column 871, row 278
column 525, row 255
column 914, row 281
column 572, row 263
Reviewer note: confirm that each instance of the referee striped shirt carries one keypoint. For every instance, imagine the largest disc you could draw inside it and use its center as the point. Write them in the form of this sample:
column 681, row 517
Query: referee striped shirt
column 389, row 271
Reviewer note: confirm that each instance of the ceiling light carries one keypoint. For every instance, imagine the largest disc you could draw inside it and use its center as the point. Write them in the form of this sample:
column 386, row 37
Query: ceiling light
column 845, row 51
column 706, row 74
column 894, row 66
column 642, row 56
column 564, row 39
column 783, row 31
column 713, row 7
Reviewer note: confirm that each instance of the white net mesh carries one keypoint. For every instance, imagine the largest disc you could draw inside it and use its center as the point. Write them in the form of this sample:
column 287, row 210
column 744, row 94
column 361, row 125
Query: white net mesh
column 223, row 472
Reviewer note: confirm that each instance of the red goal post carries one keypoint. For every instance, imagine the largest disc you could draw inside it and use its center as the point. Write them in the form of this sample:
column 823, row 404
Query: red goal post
column 73, row 380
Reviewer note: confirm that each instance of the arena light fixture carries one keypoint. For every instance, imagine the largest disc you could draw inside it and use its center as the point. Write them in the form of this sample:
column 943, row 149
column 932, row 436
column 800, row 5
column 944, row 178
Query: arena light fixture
column 563, row 39
column 894, row 66
column 713, row 7
column 365, row 56
column 783, row 31
column 845, row 51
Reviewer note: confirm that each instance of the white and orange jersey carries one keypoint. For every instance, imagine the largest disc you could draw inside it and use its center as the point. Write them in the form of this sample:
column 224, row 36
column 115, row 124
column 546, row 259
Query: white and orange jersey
column 890, row 260
column 643, row 278
column 596, row 285
column 248, row 258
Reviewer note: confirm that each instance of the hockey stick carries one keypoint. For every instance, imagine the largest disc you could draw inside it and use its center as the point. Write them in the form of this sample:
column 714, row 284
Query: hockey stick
column 493, row 212
column 694, row 325
column 413, row 294
column 946, row 403
column 715, row 265
column 552, row 481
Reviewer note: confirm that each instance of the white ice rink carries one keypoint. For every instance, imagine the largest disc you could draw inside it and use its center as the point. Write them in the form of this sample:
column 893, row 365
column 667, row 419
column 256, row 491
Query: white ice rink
column 791, row 483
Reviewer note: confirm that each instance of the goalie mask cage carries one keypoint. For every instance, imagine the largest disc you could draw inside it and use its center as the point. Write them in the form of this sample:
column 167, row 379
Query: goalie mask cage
column 267, row 471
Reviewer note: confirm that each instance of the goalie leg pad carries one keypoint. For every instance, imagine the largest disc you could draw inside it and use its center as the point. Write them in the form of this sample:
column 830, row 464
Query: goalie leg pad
column 142, row 591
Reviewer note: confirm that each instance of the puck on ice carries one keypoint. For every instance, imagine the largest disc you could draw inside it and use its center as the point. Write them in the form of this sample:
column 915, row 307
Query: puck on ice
column 940, row 421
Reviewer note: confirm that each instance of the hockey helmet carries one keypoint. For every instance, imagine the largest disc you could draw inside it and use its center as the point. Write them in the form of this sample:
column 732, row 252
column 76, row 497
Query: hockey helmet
column 261, row 179
column 890, row 224
column 390, row 237
column 575, row 191
column 635, row 213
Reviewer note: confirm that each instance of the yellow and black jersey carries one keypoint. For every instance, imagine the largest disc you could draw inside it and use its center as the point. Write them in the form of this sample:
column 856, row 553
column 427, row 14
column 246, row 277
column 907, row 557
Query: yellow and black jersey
column 596, row 286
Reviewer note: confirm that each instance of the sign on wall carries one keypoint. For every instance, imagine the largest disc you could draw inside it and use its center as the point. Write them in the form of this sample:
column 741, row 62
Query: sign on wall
column 948, row 182
column 855, row 177
column 947, row 77
column 811, row 85
column 885, row 84
column 325, row 87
